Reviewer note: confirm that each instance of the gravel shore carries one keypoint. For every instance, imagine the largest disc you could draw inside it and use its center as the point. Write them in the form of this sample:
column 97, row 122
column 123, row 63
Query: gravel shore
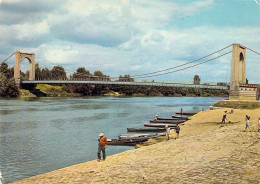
column 206, row 152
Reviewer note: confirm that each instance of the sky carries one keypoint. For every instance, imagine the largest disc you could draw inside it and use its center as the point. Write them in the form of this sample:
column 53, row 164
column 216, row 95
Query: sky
column 133, row 37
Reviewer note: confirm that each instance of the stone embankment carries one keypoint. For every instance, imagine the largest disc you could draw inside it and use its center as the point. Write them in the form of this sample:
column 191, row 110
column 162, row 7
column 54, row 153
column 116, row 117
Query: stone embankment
column 206, row 152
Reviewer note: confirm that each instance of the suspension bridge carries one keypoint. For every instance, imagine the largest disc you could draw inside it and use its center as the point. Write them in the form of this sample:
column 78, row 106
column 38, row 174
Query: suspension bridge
column 237, row 80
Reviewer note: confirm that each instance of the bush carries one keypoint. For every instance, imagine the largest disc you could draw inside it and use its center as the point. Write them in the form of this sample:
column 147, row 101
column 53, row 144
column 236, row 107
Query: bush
column 8, row 87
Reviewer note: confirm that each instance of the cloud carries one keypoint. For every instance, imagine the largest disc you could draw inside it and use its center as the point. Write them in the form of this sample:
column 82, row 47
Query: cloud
column 105, row 23
column 120, row 36
column 28, row 6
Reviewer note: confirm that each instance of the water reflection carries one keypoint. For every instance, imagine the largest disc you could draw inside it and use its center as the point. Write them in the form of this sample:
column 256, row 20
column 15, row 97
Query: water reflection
column 5, row 112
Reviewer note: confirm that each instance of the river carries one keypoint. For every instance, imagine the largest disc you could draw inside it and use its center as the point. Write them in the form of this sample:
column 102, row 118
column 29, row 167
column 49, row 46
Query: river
column 38, row 135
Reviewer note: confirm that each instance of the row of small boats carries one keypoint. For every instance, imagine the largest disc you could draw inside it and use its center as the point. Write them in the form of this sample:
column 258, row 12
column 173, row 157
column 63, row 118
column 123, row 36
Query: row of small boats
column 157, row 126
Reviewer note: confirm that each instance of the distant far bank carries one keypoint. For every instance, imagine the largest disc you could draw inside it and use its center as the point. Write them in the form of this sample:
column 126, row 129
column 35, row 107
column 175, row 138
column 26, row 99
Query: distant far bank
column 236, row 104
column 117, row 90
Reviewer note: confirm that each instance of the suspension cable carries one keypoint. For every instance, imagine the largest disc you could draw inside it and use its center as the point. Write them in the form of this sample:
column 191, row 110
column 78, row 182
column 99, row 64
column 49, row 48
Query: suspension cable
column 187, row 67
column 8, row 57
column 139, row 75
column 147, row 74
column 184, row 63
column 253, row 50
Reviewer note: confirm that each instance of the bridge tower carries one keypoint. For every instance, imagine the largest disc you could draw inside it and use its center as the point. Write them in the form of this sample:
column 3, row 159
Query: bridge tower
column 18, row 58
column 239, row 87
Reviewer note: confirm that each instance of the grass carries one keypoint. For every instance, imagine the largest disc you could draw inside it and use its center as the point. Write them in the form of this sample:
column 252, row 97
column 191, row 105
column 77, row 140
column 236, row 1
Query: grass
column 252, row 107
column 23, row 93
column 238, row 104
column 54, row 91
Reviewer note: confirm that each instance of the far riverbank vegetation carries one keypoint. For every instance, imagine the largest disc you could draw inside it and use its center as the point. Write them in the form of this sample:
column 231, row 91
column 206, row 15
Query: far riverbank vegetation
column 9, row 89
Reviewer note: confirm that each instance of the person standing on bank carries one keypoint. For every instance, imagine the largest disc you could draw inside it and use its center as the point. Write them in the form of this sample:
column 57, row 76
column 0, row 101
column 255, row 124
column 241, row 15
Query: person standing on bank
column 168, row 132
column 224, row 117
column 247, row 122
column 102, row 144
column 177, row 129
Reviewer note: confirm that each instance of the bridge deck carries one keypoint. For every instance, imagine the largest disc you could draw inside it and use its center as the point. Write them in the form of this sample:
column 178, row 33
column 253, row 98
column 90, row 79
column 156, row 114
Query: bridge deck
column 124, row 83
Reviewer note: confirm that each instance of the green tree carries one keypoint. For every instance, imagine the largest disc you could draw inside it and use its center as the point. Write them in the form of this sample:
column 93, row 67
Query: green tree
column 8, row 72
column 222, row 84
column 45, row 74
column 4, row 68
column 58, row 73
column 82, row 73
column 99, row 73
column 8, row 87
column 24, row 76
column 38, row 72
column 101, row 76
column 196, row 80
column 126, row 78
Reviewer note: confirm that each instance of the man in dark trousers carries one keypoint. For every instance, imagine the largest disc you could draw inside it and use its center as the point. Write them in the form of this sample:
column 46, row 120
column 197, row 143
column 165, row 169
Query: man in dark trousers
column 102, row 144
column 177, row 130
column 224, row 117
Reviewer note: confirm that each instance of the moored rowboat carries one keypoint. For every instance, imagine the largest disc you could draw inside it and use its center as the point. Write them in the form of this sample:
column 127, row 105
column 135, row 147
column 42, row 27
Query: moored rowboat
column 169, row 119
column 180, row 117
column 145, row 129
column 137, row 136
column 159, row 125
column 177, row 121
column 186, row 113
column 125, row 142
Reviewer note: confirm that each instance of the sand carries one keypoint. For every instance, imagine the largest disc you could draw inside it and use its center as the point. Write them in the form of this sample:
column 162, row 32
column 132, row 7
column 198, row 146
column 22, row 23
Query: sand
column 206, row 152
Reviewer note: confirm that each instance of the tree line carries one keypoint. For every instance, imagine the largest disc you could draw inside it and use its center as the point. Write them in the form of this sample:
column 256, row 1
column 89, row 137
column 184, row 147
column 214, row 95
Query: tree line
column 59, row 73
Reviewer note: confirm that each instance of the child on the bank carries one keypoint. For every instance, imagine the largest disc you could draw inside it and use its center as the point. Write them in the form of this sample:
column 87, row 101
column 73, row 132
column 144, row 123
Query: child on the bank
column 177, row 130
column 247, row 122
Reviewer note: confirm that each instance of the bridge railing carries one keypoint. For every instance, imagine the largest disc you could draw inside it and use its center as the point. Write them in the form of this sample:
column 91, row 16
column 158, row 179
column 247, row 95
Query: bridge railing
column 124, row 83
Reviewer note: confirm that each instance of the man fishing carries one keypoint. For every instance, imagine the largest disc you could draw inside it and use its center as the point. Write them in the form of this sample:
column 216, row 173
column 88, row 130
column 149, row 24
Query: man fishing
column 102, row 144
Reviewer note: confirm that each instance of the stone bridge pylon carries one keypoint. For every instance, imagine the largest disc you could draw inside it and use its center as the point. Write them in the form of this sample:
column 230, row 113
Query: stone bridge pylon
column 239, row 87
column 19, row 56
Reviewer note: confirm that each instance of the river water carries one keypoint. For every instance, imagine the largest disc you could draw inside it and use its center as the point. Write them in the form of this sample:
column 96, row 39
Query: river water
column 38, row 135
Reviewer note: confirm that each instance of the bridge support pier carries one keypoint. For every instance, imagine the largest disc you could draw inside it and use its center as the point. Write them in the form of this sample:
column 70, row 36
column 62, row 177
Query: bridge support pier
column 17, row 71
column 239, row 87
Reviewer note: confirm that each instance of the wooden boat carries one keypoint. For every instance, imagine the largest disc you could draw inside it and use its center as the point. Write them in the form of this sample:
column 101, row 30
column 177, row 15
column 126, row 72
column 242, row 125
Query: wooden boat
column 159, row 125
column 132, row 141
column 125, row 142
column 177, row 121
column 145, row 129
column 186, row 113
column 180, row 117
column 169, row 119
column 137, row 136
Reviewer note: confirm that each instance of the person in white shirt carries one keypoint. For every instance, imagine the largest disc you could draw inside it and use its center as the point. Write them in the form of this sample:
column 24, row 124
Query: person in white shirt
column 156, row 117
column 168, row 132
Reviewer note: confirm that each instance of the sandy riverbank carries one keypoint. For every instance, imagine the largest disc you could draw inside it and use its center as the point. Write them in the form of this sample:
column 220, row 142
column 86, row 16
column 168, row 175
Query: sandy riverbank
column 206, row 152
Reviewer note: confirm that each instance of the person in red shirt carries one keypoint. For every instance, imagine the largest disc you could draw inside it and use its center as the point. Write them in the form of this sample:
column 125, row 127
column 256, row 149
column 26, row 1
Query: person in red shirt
column 102, row 144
